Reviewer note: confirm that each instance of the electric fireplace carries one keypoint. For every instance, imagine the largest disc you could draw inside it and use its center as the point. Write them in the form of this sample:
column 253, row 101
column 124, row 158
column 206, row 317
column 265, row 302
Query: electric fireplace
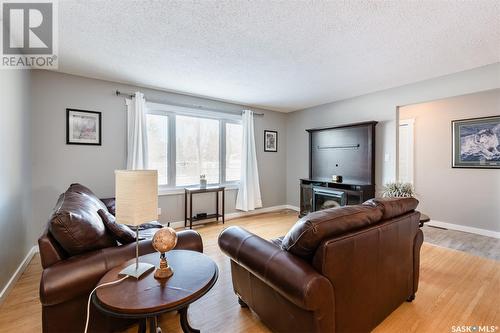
column 324, row 198
column 347, row 151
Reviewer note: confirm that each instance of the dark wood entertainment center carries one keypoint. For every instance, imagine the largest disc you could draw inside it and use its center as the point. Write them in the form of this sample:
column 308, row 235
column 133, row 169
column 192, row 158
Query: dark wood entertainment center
column 347, row 151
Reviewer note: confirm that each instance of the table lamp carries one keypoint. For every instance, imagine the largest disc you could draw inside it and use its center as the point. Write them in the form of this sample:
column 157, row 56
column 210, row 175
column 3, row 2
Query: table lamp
column 136, row 203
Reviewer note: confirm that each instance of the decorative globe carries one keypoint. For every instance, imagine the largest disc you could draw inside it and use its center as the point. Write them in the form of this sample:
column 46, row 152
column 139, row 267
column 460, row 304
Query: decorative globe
column 164, row 240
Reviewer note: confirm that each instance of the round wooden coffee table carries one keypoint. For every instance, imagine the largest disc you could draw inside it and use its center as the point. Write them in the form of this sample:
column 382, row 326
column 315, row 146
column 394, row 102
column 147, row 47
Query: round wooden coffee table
column 145, row 299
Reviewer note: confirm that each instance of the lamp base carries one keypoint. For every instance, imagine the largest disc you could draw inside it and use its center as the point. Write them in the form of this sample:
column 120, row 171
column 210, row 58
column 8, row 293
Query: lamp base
column 164, row 272
column 137, row 270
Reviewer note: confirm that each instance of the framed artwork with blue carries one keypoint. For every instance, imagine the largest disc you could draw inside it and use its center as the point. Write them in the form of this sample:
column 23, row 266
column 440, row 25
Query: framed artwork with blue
column 476, row 143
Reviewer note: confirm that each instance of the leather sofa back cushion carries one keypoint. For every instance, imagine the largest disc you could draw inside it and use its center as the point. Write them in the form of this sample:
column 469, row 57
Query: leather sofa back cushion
column 79, row 188
column 76, row 225
column 392, row 207
column 308, row 233
column 121, row 232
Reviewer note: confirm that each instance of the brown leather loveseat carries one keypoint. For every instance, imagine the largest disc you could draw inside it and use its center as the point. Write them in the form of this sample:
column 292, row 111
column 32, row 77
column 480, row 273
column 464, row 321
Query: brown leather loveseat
column 337, row 270
column 76, row 250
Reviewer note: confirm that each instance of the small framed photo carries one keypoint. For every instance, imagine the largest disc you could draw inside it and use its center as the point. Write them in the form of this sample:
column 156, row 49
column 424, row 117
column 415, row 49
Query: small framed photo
column 476, row 143
column 270, row 141
column 83, row 127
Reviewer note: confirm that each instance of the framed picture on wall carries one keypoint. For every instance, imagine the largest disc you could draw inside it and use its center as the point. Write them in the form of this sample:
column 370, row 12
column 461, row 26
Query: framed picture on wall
column 270, row 141
column 83, row 127
column 476, row 143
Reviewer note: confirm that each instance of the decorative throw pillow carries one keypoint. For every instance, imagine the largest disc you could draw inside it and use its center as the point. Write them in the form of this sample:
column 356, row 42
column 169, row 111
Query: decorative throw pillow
column 110, row 204
column 150, row 225
column 76, row 225
column 121, row 232
column 79, row 188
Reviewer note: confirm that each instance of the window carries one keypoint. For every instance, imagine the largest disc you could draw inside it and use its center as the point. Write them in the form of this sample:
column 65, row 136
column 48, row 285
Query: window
column 182, row 145
column 158, row 145
column 197, row 150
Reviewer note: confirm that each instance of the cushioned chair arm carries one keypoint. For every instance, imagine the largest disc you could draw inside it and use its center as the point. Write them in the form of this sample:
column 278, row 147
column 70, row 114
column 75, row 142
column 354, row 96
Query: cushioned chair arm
column 79, row 274
column 189, row 240
column 291, row 276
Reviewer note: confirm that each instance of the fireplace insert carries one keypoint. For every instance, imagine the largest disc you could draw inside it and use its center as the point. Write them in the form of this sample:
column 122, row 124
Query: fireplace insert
column 324, row 198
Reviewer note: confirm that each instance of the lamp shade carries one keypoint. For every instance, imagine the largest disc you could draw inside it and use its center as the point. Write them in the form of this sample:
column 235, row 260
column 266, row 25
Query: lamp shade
column 136, row 196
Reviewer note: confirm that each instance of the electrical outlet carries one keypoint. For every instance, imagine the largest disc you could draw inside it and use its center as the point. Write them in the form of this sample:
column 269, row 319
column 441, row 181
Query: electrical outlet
column 159, row 211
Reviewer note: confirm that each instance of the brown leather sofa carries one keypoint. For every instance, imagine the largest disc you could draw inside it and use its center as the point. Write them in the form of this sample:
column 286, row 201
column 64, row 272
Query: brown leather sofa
column 69, row 277
column 337, row 270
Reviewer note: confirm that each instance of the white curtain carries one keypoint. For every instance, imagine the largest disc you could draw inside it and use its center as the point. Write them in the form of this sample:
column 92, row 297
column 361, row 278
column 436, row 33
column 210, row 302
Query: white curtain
column 137, row 139
column 248, row 197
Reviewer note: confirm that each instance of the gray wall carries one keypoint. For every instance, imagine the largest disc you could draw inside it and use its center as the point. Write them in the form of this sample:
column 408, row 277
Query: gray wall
column 380, row 106
column 56, row 165
column 15, row 172
column 41, row 158
column 467, row 197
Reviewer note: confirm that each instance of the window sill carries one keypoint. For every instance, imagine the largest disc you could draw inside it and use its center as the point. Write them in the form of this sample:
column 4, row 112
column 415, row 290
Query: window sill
column 179, row 191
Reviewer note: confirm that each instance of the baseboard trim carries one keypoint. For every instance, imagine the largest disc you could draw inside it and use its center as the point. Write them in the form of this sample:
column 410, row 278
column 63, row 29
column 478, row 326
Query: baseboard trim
column 17, row 274
column 458, row 227
column 235, row 215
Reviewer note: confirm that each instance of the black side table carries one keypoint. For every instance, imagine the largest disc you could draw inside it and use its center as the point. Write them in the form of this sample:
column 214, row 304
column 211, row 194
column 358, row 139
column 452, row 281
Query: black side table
column 423, row 219
column 189, row 191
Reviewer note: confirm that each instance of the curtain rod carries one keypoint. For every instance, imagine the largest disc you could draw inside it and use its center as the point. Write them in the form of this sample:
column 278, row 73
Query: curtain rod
column 119, row 93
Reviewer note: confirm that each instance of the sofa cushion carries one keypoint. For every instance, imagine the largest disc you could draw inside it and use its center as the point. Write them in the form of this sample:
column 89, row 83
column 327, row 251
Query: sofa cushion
column 308, row 233
column 79, row 188
column 120, row 232
column 392, row 207
column 76, row 225
column 110, row 204
column 150, row 225
column 277, row 241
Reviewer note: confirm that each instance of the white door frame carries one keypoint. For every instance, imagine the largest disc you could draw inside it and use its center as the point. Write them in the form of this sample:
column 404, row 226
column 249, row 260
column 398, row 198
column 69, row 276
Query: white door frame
column 411, row 147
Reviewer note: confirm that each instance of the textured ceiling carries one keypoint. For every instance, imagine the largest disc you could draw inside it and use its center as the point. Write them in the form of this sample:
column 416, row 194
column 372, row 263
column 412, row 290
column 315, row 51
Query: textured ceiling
column 278, row 55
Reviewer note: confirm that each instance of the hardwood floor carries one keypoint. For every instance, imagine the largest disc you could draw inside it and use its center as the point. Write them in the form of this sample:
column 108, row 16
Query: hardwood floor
column 456, row 288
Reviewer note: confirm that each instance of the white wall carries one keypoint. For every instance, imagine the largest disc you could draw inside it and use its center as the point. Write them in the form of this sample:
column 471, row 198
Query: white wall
column 15, row 171
column 468, row 197
column 57, row 165
column 379, row 106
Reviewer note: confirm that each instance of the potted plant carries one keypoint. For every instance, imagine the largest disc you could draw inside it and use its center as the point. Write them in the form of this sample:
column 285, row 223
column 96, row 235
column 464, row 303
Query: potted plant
column 398, row 190
column 203, row 181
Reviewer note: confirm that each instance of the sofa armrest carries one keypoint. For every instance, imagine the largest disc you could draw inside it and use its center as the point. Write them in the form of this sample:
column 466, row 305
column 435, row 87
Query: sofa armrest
column 189, row 240
column 78, row 275
column 291, row 276
column 50, row 251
